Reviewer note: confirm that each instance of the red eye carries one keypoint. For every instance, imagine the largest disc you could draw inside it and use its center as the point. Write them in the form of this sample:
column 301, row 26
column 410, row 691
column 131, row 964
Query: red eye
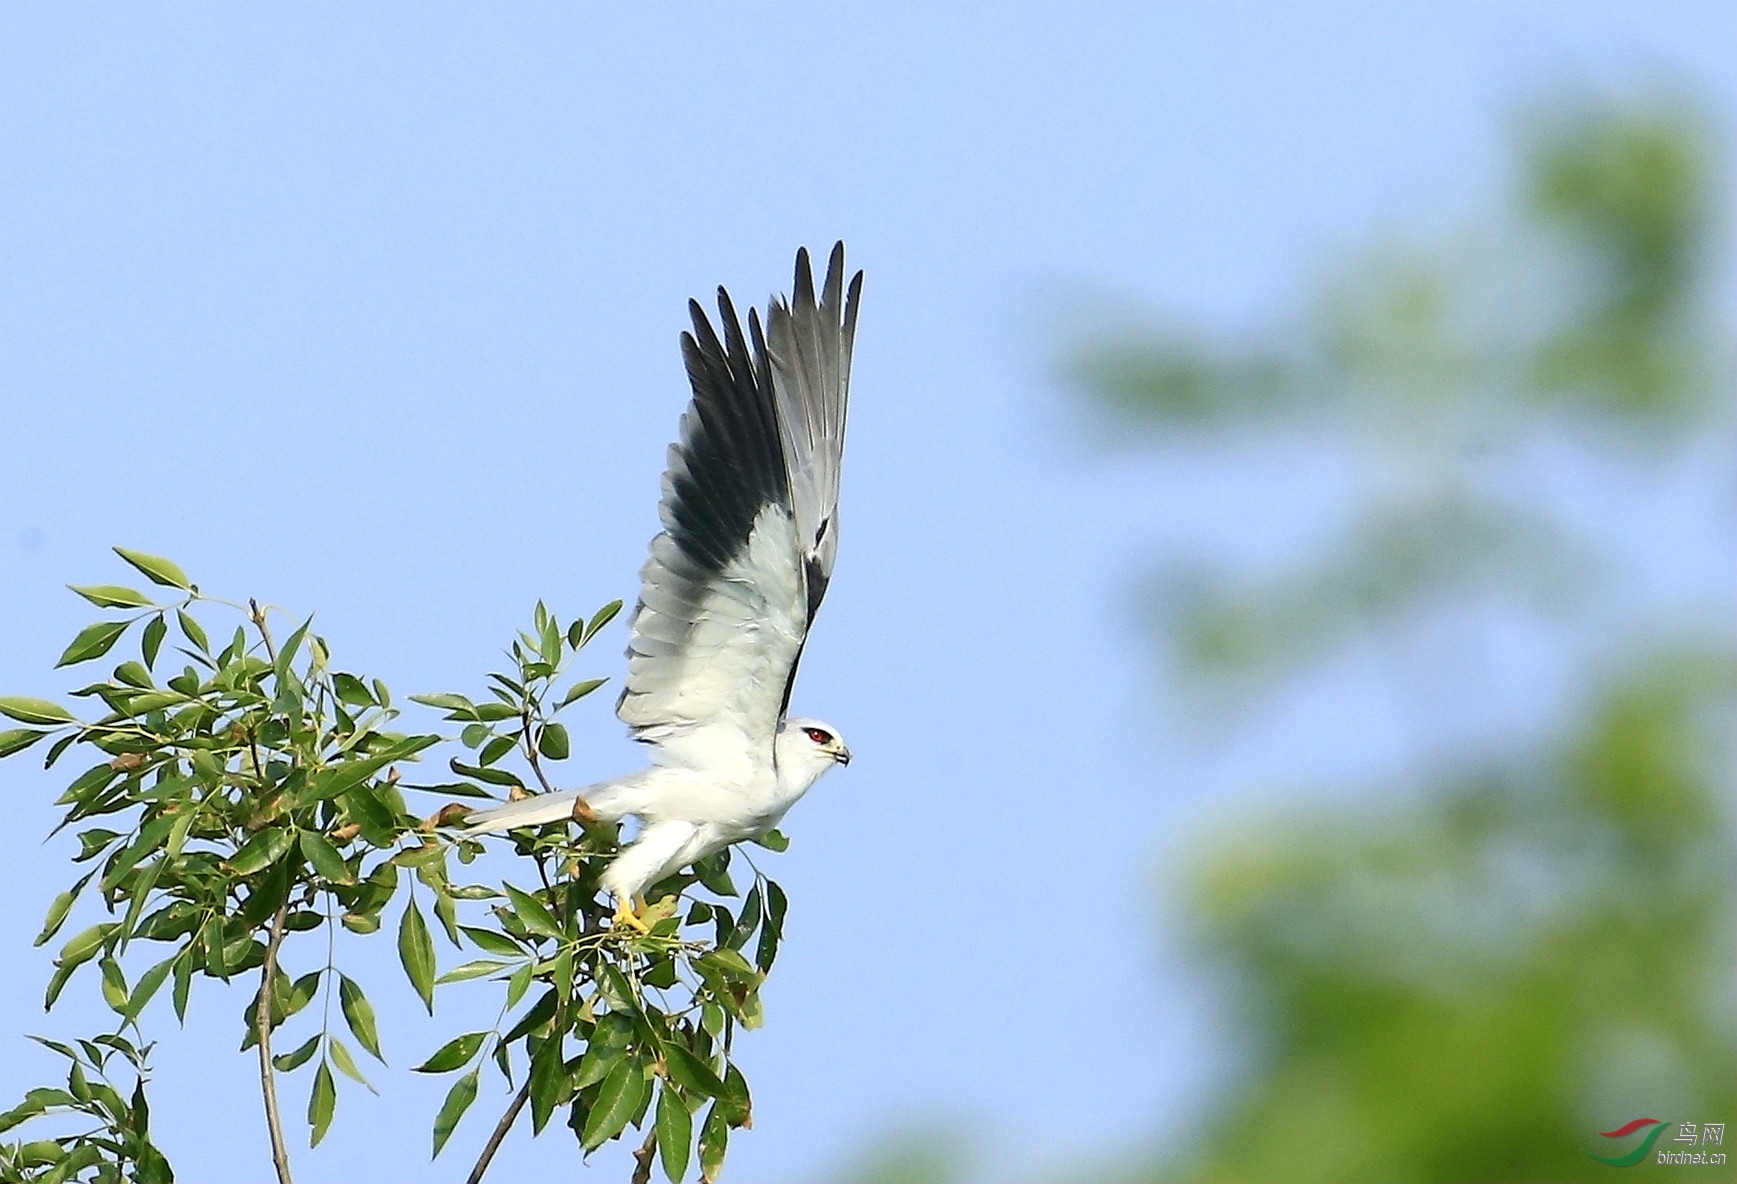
column 818, row 736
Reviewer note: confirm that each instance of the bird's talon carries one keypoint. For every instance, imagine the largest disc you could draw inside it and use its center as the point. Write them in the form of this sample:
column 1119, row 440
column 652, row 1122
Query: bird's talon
column 626, row 915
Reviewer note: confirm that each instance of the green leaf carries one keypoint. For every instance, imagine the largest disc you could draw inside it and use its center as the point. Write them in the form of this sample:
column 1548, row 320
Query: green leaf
column 579, row 690
column 675, row 1134
column 112, row 596
column 458, row 1100
column 609, row 1041
column 193, row 631
column 93, row 641
column 347, row 1065
column 561, row 973
column 359, row 1014
column 492, row 776
column 322, row 1102
column 147, row 986
column 152, row 641
column 81, row 948
column 325, row 858
column 549, row 642
column 156, row 569
column 18, row 739
column 35, row 711
column 535, row 915
column 420, row 855
column 151, row 836
column 690, row 1071
column 114, row 985
column 447, row 701
column 286, row 654
column 604, row 615
column 519, row 983
column 288, row 1062
column 747, row 920
column 454, row 1053
column 416, row 952
column 301, row 992
column 548, row 1079
column 262, row 850
column 134, row 674
column 616, row 990
column 183, row 981
column 772, row 931
column 618, row 1100
column 491, row 942
column 496, row 748
column 352, row 690
column 341, row 778
column 735, row 1104
column 58, row 910
column 480, row 968
column 714, row 873
column 730, row 965
column 714, row 1142
column 553, row 743
column 773, row 840
column 363, row 806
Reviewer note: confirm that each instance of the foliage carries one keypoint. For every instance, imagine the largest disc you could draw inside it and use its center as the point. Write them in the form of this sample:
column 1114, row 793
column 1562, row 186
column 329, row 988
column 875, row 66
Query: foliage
column 1534, row 944
column 118, row 1148
column 623, row 1029
column 250, row 803
column 1465, row 989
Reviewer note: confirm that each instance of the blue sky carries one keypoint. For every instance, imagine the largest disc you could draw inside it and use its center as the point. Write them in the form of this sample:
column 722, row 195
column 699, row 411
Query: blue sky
column 372, row 311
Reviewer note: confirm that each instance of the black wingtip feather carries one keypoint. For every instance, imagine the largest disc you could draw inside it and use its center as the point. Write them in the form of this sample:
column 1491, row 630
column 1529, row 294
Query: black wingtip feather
column 733, row 460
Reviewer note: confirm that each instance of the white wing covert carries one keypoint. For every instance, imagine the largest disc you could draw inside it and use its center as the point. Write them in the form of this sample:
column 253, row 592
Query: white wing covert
column 750, row 517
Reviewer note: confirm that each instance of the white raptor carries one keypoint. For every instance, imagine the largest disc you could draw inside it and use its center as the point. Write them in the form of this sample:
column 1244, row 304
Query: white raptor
column 750, row 517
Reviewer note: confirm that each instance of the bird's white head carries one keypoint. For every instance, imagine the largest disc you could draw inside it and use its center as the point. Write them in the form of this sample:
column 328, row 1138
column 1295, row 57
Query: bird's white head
column 806, row 749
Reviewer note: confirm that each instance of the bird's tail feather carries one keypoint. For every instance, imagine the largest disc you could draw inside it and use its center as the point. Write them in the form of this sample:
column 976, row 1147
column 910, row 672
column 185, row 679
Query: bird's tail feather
column 609, row 801
column 531, row 811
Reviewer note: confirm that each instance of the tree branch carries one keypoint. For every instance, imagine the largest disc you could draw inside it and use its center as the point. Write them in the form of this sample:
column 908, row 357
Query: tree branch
column 643, row 1158
column 262, row 1031
column 501, row 1129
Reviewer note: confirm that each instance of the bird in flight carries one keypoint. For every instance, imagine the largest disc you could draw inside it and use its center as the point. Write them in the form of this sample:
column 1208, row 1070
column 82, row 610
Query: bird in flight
column 729, row 592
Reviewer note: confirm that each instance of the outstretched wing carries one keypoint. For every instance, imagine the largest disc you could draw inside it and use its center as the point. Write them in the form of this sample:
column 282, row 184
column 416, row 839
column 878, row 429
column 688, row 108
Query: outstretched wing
column 750, row 516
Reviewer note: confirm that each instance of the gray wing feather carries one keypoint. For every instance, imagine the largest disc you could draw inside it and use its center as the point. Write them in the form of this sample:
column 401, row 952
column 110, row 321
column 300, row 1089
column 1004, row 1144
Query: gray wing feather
column 749, row 508
column 810, row 347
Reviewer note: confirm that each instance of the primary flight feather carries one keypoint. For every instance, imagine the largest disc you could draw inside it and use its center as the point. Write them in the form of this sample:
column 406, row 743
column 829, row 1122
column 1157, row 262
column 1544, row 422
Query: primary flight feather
column 729, row 592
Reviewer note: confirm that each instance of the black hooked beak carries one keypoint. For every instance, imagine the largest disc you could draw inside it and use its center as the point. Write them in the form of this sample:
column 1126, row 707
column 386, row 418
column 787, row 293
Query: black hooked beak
column 842, row 756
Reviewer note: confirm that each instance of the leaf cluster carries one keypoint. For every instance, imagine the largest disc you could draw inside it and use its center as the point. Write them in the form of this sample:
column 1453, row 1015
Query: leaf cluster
column 616, row 1027
column 246, row 795
column 117, row 1148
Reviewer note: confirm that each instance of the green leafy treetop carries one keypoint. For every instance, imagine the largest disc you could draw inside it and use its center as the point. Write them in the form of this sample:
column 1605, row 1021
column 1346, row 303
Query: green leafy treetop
column 247, row 794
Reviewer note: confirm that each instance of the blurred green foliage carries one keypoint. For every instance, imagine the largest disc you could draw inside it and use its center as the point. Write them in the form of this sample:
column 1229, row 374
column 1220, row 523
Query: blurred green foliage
column 1467, row 973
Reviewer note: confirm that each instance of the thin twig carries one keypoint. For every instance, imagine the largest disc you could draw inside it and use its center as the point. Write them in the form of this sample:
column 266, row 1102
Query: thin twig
column 257, row 615
column 501, row 1129
column 531, row 752
column 643, row 1157
column 262, row 1030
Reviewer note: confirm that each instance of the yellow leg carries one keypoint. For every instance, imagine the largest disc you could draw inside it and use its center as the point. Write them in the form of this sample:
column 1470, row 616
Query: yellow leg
column 626, row 914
